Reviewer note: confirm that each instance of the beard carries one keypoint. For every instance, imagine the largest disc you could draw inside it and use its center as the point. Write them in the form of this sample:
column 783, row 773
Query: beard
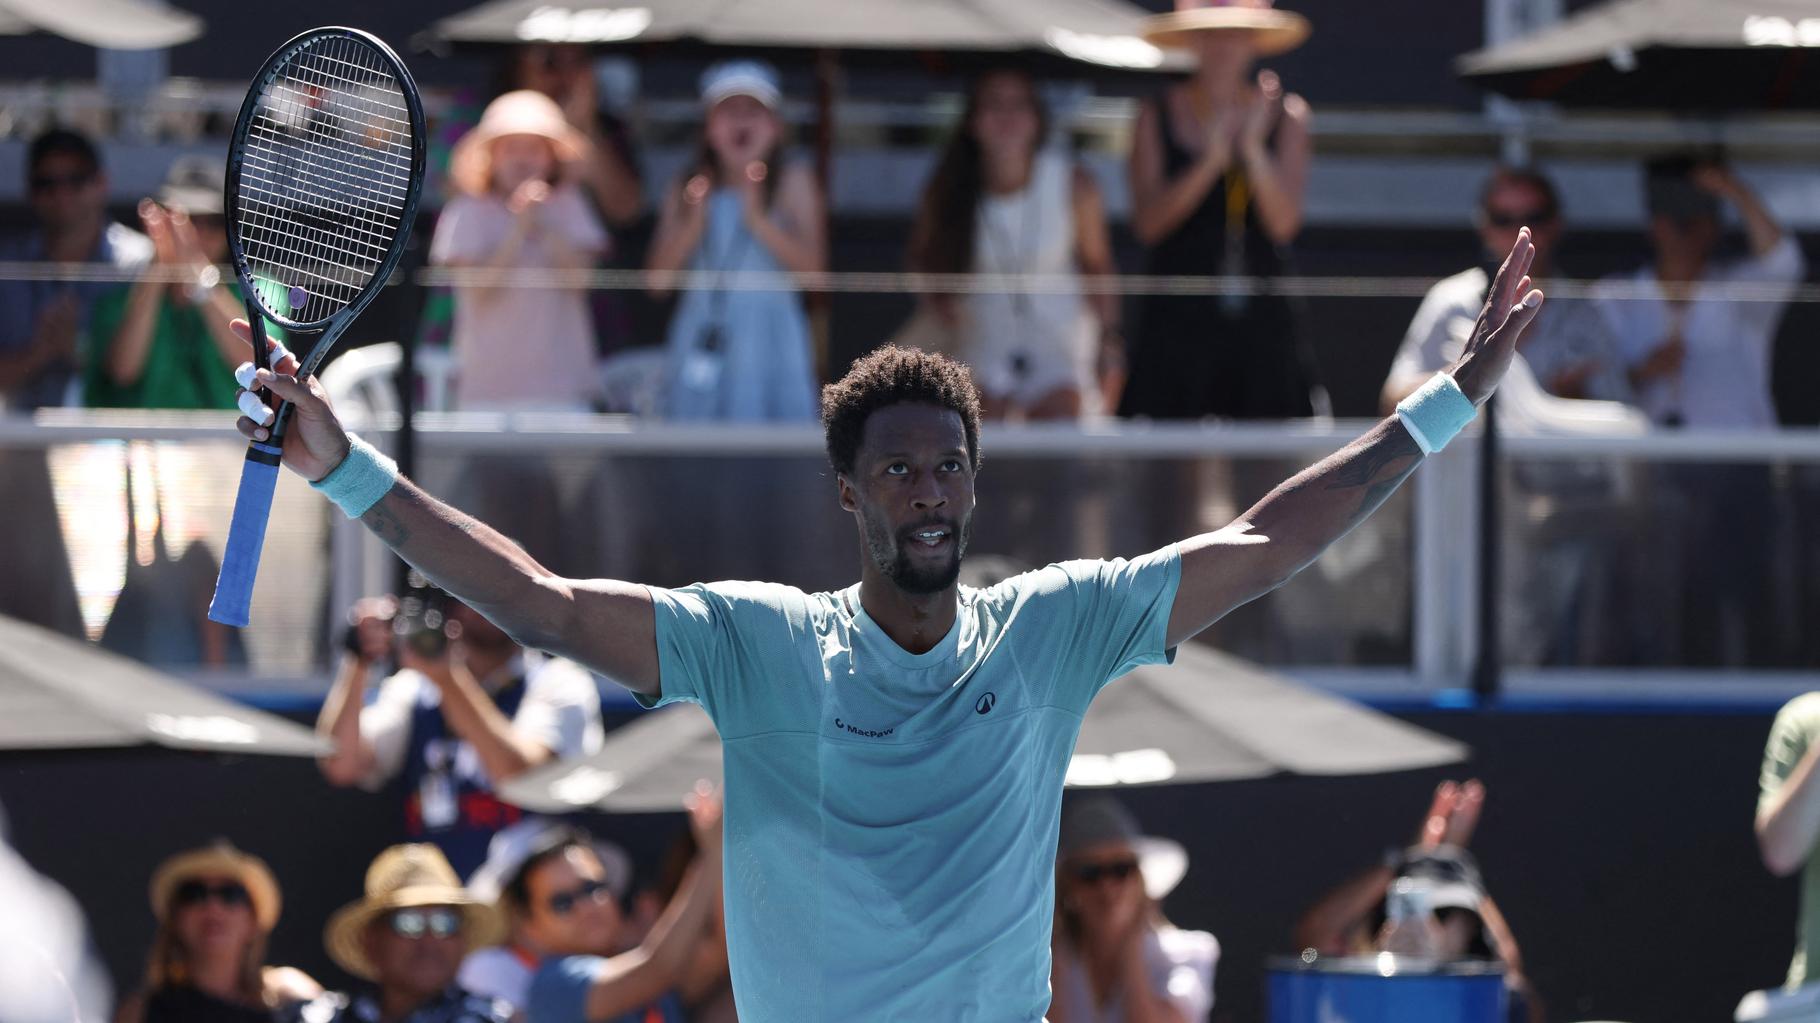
column 892, row 556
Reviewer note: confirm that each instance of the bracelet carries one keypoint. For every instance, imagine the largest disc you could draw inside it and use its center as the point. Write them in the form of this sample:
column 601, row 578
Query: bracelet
column 1436, row 412
column 360, row 480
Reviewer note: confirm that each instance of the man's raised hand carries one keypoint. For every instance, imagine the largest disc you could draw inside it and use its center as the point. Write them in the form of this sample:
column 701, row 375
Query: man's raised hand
column 315, row 442
column 1509, row 307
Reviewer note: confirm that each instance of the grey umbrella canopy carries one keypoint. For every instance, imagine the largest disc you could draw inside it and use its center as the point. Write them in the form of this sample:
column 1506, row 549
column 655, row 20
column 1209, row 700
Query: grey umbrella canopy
column 1210, row 717
column 1686, row 55
column 113, row 24
column 1102, row 32
column 59, row 693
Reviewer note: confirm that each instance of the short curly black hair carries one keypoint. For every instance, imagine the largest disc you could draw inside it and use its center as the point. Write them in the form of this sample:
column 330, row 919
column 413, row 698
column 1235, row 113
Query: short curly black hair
column 893, row 376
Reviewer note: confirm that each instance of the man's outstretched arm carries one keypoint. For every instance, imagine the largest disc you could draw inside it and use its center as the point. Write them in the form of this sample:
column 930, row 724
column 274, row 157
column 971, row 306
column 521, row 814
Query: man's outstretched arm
column 607, row 625
column 1287, row 530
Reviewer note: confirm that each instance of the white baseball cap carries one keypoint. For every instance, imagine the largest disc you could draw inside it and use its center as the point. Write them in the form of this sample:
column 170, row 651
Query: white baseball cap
column 753, row 78
column 511, row 847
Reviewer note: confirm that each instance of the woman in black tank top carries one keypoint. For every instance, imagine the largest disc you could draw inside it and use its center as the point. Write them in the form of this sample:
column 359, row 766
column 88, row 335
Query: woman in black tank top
column 1218, row 168
column 216, row 907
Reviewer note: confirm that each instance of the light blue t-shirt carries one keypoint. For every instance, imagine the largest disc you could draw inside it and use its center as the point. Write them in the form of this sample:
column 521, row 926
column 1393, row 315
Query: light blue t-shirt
column 891, row 817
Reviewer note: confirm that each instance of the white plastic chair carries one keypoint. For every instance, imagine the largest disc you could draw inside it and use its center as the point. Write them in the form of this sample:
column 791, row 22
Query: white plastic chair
column 361, row 380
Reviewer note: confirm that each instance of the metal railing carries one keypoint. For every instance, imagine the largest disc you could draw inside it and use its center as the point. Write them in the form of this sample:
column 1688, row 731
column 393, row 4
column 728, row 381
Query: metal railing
column 1386, row 613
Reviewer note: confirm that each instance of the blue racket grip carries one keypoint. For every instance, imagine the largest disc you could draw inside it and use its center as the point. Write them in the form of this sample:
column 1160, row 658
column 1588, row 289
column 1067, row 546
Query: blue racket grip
column 246, row 535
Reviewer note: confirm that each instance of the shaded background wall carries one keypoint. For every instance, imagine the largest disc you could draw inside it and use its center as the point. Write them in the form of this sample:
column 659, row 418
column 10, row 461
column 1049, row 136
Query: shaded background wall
column 1618, row 844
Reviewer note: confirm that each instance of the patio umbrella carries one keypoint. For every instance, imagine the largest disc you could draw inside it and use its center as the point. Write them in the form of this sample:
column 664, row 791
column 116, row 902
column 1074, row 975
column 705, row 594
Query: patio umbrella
column 112, row 24
column 1103, row 32
column 1685, row 55
column 58, row 693
column 1209, row 717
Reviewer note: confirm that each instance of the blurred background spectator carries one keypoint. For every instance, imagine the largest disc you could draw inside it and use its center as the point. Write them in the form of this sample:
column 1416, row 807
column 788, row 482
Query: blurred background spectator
column 504, row 971
column 738, row 351
column 1788, row 818
column 1426, row 901
column 590, row 96
column 705, row 988
column 164, row 343
column 1568, row 347
column 467, row 709
column 1002, row 202
column 565, row 72
column 406, row 937
column 1219, row 167
column 524, row 340
column 43, row 321
column 569, row 915
column 48, row 969
column 1695, row 330
column 1116, row 958
column 216, row 907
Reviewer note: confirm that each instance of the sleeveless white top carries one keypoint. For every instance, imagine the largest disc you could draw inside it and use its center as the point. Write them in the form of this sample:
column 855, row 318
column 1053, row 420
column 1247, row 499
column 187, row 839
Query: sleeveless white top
column 1025, row 345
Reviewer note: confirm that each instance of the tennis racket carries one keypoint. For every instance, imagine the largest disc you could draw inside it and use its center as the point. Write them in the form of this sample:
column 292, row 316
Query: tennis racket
column 323, row 175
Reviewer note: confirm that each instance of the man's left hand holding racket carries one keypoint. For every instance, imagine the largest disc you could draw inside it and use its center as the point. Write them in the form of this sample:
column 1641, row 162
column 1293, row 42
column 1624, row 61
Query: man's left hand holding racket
column 316, row 442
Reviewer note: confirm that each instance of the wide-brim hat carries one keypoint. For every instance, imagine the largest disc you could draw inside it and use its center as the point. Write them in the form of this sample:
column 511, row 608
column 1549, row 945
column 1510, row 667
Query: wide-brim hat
column 1272, row 31
column 1099, row 819
column 218, row 860
column 405, row 877
column 524, row 112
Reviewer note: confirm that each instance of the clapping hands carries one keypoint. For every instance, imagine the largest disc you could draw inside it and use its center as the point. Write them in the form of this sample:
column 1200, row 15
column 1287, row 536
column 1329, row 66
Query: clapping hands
column 1453, row 815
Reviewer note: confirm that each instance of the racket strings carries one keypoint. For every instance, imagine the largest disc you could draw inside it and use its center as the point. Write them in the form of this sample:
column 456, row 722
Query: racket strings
column 325, row 176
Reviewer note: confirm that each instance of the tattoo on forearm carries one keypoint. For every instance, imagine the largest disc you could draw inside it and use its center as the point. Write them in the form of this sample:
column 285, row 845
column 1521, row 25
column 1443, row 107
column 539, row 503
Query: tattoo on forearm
column 386, row 526
column 1375, row 470
column 1372, row 468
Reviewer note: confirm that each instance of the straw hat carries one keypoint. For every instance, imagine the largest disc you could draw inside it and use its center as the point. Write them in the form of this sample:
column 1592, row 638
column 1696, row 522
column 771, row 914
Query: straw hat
column 1273, row 31
column 1088, row 821
column 402, row 877
column 525, row 112
column 218, row 860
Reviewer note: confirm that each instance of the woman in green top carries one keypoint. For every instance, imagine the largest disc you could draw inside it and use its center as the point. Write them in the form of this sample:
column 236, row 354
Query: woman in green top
column 164, row 343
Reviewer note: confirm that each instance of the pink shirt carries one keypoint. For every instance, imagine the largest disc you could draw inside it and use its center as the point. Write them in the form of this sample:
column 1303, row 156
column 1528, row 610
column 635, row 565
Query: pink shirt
column 520, row 347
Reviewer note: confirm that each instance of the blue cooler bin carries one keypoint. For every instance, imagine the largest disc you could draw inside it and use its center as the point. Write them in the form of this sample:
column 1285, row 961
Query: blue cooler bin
column 1386, row 989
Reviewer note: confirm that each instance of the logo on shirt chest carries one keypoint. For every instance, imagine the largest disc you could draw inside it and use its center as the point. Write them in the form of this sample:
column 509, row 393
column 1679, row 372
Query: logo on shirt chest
column 985, row 703
column 864, row 733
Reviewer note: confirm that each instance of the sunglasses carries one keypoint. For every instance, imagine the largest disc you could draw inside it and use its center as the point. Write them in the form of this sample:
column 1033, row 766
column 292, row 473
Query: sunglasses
column 1506, row 220
column 440, row 922
column 228, row 893
column 1117, row 870
column 56, row 182
column 564, row 903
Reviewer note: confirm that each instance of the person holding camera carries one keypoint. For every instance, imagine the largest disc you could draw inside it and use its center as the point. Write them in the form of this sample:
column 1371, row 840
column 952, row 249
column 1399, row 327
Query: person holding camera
column 466, row 709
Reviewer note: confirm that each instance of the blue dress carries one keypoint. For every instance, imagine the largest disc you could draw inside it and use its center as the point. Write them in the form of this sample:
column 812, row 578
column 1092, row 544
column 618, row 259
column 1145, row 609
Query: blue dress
column 737, row 354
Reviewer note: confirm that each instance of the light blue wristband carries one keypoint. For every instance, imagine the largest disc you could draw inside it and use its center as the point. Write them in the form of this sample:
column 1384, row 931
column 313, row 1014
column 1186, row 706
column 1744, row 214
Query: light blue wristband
column 360, row 480
column 1436, row 412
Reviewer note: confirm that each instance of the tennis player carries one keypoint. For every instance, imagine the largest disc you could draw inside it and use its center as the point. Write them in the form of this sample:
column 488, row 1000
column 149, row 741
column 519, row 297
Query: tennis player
column 895, row 750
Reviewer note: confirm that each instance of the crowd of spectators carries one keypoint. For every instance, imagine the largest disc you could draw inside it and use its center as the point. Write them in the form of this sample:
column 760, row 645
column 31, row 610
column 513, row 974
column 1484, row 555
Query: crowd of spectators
column 551, row 927
column 545, row 183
